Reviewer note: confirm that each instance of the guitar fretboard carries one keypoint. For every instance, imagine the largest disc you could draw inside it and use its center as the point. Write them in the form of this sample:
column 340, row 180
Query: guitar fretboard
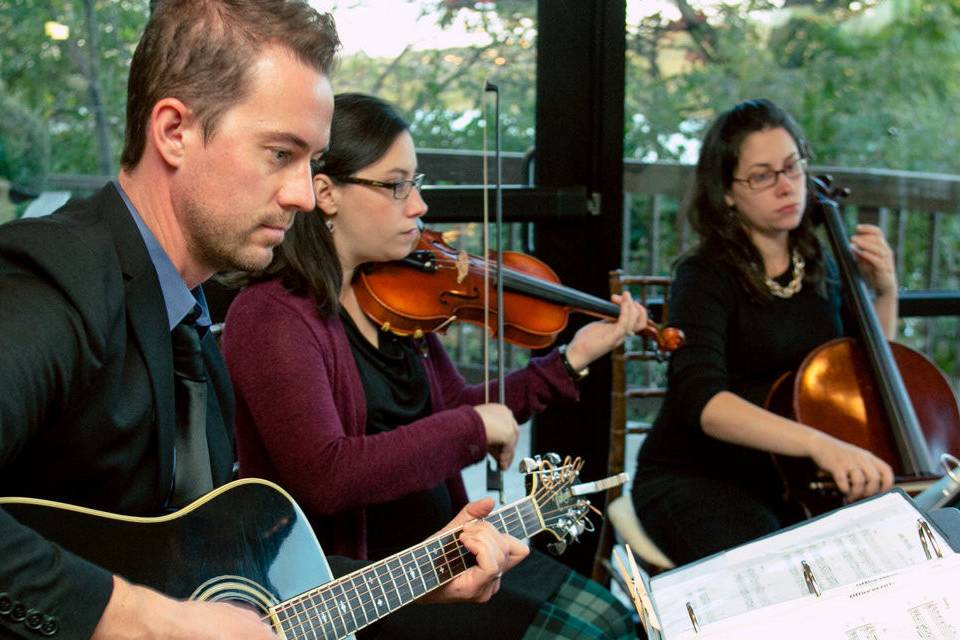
column 344, row 606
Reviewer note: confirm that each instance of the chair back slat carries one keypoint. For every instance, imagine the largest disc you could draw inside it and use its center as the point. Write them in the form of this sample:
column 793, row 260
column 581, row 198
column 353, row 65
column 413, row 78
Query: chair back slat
column 654, row 293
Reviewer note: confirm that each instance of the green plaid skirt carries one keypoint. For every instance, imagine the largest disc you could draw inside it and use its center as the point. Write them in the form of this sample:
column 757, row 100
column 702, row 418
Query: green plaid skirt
column 581, row 609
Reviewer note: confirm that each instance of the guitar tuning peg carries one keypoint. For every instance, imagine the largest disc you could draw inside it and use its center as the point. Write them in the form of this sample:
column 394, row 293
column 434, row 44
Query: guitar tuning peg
column 553, row 459
column 528, row 465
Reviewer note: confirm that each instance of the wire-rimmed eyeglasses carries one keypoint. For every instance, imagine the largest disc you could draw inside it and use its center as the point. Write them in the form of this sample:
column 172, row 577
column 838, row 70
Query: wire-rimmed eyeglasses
column 760, row 180
column 401, row 188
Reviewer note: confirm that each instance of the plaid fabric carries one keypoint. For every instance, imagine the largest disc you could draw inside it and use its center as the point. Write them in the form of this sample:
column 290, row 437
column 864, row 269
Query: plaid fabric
column 581, row 609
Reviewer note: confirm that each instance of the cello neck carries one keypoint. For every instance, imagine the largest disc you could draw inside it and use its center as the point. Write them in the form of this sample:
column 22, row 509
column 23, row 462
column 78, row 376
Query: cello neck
column 901, row 417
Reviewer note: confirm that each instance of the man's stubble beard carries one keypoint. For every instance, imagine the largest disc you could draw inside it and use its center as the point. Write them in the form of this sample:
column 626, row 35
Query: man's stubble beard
column 218, row 248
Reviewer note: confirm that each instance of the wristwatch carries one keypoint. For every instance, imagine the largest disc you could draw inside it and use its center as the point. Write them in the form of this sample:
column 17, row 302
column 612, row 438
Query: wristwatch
column 575, row 375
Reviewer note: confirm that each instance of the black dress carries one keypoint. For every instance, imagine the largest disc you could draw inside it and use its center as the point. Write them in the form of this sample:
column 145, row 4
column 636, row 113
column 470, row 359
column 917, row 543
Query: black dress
column 696, row 495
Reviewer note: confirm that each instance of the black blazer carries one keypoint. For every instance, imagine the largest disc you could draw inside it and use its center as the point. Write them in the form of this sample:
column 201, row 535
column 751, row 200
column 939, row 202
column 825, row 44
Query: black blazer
column 86, row 396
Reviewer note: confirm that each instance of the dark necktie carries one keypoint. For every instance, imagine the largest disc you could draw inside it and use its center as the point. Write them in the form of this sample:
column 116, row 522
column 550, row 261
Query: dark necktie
column 192, row 470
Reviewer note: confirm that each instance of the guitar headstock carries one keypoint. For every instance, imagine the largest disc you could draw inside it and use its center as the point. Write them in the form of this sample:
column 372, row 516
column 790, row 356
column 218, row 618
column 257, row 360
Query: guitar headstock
column 549, row 483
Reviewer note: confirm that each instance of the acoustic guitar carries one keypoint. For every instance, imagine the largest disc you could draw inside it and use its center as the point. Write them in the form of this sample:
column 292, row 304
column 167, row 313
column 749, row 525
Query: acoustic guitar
column 248, row 542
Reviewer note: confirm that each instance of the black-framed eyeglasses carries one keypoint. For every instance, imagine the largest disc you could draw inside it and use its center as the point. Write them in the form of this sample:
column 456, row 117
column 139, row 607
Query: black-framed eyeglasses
column 401, row 188
column 760, row 180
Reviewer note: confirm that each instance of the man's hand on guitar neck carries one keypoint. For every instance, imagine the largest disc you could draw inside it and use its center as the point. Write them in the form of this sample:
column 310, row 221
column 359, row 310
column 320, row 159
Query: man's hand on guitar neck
column 135, row 611
column 495, row 553
column 138, row 612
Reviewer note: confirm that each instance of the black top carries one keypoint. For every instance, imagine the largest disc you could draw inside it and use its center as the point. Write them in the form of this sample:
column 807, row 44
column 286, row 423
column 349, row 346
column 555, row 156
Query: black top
column 736, row 344
column 397, row 393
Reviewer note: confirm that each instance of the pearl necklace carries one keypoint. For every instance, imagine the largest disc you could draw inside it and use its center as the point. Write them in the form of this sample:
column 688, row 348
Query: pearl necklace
column 796, row 282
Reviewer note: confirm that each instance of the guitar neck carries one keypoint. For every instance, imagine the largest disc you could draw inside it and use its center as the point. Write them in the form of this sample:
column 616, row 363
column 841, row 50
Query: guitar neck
column 354, row 601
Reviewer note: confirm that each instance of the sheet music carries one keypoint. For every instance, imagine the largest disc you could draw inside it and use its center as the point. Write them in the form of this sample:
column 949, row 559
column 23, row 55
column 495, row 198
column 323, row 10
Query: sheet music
column 868, row 539
column 917, row 603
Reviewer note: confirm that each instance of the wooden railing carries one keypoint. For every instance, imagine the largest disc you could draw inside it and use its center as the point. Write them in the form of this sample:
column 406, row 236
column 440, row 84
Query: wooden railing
column 918, row 211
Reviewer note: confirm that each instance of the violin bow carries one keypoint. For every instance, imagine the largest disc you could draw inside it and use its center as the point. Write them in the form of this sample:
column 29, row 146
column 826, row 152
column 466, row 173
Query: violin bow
column 494, row 474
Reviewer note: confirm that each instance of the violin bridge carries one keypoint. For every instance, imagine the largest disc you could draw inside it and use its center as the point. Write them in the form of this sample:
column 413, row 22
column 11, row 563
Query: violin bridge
column 463, row 266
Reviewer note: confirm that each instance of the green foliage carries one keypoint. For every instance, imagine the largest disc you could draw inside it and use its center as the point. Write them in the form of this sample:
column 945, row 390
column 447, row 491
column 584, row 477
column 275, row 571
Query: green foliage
column 441, row 91
column 53, row 77
column 24, row 144
column 868, row 92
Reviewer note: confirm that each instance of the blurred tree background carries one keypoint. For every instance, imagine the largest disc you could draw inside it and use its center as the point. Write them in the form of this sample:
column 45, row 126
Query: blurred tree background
column 874, row 83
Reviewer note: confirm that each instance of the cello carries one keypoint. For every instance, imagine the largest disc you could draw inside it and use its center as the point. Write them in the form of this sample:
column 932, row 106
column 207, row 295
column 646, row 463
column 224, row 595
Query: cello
column 878, row 395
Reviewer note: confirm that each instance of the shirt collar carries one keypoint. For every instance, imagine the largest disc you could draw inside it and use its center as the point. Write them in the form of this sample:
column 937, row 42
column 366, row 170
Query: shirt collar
column 177, row 298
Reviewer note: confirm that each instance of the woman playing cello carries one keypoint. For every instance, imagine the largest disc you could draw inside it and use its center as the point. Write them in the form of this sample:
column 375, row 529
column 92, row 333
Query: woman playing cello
column 368, row 430
column 755, row 296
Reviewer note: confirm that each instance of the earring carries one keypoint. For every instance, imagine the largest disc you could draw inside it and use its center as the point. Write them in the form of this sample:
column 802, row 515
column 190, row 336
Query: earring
column 330, row 225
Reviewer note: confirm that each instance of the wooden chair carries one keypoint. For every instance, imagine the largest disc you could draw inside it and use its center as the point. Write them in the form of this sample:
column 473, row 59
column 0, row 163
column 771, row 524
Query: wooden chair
column 621, row 521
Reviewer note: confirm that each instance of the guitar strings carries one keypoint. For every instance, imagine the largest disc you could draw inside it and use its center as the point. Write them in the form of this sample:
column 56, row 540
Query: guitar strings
column 452, row 552
column 322, row 599
column 459, row 552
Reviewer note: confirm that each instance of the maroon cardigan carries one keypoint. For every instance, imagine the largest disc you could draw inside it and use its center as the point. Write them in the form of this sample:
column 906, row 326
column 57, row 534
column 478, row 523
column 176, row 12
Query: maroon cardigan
column 301, row 415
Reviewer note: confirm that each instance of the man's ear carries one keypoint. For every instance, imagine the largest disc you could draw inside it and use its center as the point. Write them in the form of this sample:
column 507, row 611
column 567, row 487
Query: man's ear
column 171, row 130
column 327, row 194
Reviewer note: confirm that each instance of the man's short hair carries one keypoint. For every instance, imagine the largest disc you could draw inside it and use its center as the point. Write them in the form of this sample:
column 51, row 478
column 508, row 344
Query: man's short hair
column 200, row 52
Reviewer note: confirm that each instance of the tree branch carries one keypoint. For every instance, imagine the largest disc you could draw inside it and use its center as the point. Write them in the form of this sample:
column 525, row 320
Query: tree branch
column 701, row 33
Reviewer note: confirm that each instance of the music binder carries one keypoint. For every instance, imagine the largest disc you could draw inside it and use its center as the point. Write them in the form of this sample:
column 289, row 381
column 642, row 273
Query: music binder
column 842, row 570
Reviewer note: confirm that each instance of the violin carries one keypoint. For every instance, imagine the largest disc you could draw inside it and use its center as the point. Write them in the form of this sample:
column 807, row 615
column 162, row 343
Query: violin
column 437, row 284
column 878, row 395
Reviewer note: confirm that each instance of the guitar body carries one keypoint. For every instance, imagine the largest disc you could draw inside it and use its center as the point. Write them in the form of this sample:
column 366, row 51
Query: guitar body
column 247, row 541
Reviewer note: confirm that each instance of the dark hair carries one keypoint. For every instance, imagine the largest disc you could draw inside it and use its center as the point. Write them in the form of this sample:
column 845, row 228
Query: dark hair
column 200, row 51
column 722, row 234
column 362, row 130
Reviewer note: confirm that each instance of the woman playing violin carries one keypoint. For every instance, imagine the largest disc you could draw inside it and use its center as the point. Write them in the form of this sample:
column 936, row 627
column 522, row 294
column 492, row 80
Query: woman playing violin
column 752, row 299
column 369, row 431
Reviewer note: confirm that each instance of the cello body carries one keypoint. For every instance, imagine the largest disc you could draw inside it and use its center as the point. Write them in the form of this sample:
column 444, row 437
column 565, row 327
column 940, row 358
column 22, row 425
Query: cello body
column 834, row 391
column 878, row 395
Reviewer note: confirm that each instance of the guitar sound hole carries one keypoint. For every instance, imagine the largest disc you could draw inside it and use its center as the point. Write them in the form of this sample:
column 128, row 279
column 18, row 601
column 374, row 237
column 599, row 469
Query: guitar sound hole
column 237, row 591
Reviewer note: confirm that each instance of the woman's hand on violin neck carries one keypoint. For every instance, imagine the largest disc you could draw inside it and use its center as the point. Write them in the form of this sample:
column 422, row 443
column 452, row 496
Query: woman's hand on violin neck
column 603, row 336
column 875, row 259
column 857, row 472
column 502, row 431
